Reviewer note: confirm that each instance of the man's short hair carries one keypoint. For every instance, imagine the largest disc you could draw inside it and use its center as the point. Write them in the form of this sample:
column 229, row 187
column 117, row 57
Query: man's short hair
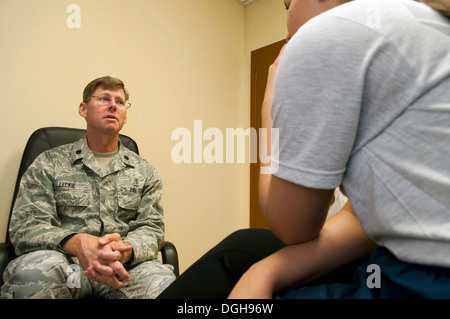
column 108, row 83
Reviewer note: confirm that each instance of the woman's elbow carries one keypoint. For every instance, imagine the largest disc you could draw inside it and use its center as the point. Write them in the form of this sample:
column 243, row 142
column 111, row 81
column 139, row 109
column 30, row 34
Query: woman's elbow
column 292, row 233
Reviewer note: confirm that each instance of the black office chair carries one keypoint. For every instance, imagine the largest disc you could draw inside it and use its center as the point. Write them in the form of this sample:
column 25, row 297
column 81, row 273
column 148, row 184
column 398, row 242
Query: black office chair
column 44, row 139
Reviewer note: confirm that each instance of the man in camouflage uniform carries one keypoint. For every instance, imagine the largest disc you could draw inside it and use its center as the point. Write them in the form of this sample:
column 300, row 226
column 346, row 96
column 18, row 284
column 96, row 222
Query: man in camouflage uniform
column 88, row 219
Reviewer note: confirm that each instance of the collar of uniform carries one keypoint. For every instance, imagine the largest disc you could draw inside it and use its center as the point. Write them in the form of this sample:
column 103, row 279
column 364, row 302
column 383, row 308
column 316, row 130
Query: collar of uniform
column 127, row 156
column 81, row 150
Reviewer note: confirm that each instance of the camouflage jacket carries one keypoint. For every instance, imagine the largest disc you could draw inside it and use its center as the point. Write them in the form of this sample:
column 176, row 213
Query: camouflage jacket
column 65, row 191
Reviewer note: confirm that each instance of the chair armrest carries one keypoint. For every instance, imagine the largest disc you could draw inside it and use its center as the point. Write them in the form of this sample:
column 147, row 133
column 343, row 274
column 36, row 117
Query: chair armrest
column 169, row 256
column 5, row 257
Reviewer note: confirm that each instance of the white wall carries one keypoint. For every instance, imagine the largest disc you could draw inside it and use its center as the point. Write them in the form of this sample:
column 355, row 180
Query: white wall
column 181, row 61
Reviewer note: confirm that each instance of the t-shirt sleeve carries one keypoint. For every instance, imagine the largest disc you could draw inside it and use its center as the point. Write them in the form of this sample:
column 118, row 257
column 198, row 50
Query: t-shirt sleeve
column 317, row 101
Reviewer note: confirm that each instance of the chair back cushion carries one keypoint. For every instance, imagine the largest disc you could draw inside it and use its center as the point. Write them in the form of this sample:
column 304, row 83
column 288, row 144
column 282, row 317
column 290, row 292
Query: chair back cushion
column 48, row 137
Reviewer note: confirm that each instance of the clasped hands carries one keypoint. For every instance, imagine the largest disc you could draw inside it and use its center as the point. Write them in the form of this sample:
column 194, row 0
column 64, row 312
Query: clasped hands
column 102, row 258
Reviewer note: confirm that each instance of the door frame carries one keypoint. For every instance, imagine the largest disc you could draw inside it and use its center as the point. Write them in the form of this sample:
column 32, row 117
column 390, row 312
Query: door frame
column 261, row 59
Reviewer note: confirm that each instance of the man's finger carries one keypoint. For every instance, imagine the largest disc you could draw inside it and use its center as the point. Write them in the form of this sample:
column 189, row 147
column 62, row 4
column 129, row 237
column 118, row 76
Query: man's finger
column 103, row 269
column 120, row 246
column 112, row 281
column 109, row 238
column 109, row 255
column 119, row 269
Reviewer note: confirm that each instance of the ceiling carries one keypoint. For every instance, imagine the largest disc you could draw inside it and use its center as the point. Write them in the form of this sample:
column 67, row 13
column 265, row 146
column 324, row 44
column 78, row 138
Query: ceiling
column 245, row 2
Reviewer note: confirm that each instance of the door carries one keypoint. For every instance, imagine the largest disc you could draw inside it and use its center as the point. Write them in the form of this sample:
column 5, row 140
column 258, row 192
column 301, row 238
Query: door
column 261, row 59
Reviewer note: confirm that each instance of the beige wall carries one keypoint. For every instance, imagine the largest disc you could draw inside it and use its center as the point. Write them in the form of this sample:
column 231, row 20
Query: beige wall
column 181, row 61
column 265, row 23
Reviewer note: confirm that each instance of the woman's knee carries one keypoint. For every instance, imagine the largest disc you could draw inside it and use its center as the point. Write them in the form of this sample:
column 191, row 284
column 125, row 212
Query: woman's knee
column 252, row 240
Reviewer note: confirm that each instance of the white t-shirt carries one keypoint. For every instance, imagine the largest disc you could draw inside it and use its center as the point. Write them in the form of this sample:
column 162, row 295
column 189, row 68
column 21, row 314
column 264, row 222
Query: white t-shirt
column 362, row 99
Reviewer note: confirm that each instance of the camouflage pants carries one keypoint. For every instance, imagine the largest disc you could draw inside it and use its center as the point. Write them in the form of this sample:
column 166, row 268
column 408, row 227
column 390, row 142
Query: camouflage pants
column 52, row 274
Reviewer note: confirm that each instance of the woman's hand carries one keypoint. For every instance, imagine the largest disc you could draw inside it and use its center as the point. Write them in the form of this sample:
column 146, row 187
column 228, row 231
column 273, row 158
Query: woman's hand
column 256, row 283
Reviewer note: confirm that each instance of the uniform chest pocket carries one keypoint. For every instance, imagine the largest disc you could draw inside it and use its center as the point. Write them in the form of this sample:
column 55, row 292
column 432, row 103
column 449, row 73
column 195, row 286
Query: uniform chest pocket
column 71, row 194
column 128, row 194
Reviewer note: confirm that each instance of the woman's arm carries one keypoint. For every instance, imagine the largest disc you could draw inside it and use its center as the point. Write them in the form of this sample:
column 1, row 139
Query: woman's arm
column 266, row 122
column 341, row 241
column 294, row 213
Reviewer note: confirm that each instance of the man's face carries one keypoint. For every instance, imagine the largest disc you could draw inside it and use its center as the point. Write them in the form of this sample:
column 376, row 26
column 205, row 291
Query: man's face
column 104, row 117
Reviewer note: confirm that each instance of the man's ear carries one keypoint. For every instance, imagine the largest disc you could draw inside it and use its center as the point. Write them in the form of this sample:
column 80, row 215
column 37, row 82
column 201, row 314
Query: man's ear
column 82, row 109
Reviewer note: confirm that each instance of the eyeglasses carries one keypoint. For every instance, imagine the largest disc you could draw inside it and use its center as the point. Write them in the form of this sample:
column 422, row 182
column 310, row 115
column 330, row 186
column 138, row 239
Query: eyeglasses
column 106, row 100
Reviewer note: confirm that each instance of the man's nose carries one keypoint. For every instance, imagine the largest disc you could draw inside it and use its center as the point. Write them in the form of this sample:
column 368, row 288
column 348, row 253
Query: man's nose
column 112, row 107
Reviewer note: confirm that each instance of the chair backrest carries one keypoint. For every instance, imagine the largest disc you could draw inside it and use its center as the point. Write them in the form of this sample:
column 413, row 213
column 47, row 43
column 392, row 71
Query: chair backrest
column 48, row 137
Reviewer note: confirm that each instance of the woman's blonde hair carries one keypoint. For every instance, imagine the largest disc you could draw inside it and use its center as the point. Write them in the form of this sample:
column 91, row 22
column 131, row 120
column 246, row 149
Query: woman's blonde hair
column 443, row 6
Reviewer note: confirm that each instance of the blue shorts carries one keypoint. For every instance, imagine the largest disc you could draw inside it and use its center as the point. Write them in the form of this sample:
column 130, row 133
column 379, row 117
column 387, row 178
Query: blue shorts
column 383, row 276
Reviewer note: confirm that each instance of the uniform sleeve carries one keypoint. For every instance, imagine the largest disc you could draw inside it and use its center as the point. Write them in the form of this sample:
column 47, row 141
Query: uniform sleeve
column 317, row 101
column 34, row 222
column 146, row 232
